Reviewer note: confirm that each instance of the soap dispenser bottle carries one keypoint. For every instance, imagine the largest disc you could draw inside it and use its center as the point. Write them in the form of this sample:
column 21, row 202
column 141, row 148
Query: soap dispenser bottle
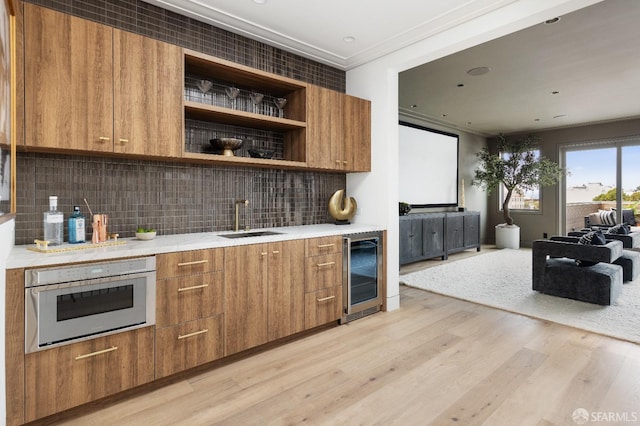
column 53, row 223
column 76, row 226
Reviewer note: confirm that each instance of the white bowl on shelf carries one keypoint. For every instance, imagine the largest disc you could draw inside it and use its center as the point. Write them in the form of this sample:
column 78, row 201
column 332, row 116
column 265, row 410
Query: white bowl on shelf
column 146, row 235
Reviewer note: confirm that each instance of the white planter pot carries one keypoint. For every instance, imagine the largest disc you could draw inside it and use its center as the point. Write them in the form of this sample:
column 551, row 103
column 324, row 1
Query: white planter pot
column 507, row 236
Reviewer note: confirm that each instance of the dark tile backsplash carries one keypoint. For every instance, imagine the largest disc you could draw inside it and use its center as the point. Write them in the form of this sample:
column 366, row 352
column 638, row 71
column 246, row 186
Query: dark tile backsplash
column 170, row 197
column 177, row 197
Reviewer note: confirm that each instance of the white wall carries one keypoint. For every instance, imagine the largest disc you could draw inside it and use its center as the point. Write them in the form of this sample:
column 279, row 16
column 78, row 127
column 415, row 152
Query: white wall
column 377, row 192
column 7, row 238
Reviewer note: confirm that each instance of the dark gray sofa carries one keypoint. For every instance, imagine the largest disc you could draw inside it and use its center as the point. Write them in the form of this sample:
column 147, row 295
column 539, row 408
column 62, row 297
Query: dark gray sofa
column 555, row 271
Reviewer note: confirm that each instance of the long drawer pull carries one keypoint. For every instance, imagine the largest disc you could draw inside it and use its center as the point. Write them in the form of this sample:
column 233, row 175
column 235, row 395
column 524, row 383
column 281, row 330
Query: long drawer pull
column 324, row 299
column 326, row 245
column 276, row 251
column 195, row 262
column 195, row 333
column 103, row 138
column 195, row 287
column 104, row 351
column 123, row 140
column 320, row 265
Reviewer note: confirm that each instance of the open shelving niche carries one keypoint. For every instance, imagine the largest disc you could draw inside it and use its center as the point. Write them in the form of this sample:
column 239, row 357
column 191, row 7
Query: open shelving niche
column 211, row 115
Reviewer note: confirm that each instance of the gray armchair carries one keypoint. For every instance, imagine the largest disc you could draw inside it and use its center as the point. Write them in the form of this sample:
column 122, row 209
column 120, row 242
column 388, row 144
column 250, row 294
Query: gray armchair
column 629, row 241
column 556, row 273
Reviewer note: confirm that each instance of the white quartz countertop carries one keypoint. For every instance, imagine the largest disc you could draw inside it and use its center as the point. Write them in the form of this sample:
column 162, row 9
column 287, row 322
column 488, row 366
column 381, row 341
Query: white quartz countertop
column 21, row 257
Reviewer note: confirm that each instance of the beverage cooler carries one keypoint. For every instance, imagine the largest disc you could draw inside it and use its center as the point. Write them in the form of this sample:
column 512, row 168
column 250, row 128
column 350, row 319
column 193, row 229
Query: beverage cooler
column 361, row 275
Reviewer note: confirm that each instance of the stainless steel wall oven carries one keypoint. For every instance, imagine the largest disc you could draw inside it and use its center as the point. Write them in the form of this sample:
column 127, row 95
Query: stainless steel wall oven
column 72, row 303
column 361, row 274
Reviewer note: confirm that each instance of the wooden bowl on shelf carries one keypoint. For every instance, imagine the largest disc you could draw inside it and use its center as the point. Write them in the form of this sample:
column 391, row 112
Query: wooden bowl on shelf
column 227, row 145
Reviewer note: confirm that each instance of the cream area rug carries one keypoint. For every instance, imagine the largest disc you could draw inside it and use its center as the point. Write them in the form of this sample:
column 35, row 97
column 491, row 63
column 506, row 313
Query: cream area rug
column 502, row 279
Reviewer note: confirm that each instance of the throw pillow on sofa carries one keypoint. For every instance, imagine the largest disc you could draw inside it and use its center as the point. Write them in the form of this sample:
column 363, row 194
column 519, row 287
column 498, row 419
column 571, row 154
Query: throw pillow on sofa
column 607, row 217
column 620, row 229
column 594, row 238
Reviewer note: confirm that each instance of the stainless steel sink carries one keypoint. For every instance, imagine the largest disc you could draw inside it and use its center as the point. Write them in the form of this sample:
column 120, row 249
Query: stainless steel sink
column 250, row 234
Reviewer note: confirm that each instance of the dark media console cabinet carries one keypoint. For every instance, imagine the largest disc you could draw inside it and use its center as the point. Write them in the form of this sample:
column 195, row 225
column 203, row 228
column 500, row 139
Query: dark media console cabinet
column 427, row 235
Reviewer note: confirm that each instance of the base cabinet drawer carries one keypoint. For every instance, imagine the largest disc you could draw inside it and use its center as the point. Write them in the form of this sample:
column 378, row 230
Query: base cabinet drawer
column 71, row 375
column 178, row 264
column 190, row 344
column 323, row 272
column 189, row 298
column 323, row 306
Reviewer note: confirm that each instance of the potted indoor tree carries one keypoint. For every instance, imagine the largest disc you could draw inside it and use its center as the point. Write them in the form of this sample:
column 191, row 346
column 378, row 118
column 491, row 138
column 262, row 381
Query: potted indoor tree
column 517, row 167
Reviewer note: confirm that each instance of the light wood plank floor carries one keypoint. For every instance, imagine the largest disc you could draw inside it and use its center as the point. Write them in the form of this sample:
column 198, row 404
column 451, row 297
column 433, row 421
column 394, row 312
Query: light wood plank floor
column 435, row 361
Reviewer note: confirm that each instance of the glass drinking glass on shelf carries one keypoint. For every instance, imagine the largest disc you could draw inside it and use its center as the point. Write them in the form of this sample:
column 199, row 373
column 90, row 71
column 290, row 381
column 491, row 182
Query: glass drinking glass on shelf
column 280, row 103
column 204, row 86
column 232, row 93
column 256, row 99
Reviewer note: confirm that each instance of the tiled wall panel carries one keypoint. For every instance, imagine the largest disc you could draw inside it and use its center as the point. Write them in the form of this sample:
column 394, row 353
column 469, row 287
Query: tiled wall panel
column 177, row 197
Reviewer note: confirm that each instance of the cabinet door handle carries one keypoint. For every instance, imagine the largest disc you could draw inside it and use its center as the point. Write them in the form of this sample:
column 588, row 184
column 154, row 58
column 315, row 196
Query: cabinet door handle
column 195, row 262
column 193, row 287
column 276, row 251
column 337, row 161
column 320, row 265
column 324, row 299
column 92, row 354
column 264, row 253
column 104, row 138
column 326, row 245
column 195, row 333
column 345, row 163
column 123, row 140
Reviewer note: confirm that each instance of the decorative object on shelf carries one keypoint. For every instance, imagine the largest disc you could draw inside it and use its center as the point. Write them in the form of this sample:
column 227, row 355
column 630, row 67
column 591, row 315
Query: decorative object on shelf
column 404, row 208
column 260, row 153
column 256, row 99
column 232, row 93
column 461, row 207
column 515, row 166
column 227, row 145
column 280, row 103
column 204, row 86
column 341, row 208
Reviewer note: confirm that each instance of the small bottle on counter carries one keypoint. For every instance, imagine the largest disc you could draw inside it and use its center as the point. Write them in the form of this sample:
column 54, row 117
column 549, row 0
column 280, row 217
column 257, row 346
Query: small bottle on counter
column 76, row 227
column 53, row 223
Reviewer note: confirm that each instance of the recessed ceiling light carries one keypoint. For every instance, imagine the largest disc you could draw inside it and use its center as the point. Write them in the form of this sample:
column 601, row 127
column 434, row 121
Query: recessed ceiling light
column 469, row 122
column 443, row 115
column 552, row 20
column 414, row 106
column 349, row 39
column 460, row 85
column 555, row 92
column 479, row 71
column 536, row 119
column 559, row 116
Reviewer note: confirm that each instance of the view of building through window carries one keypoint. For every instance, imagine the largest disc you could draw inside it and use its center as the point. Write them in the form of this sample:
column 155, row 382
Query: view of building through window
column 591, row 183
column 522, row 199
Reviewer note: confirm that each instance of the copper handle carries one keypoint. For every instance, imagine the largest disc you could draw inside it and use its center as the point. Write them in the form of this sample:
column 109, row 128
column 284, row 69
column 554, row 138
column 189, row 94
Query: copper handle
column 326, row 245
column 326, row 298
column 320, row 265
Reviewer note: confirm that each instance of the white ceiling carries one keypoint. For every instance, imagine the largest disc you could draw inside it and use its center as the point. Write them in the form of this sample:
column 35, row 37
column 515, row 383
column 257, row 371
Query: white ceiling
column 592, row 56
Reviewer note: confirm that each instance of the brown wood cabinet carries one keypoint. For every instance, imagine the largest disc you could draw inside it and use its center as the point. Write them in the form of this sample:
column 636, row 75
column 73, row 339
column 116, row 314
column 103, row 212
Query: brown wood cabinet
column 338, row 131
column 68, row 81
column 71, row 375
column 323, row 280
column 189, row 309
column 89, row 87
column 189, row 344
column 265, row 293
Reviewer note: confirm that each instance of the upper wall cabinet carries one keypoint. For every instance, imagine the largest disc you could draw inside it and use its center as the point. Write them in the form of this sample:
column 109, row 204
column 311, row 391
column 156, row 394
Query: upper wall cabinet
column 338, row 131
column 68, row 81
column 89, row 87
